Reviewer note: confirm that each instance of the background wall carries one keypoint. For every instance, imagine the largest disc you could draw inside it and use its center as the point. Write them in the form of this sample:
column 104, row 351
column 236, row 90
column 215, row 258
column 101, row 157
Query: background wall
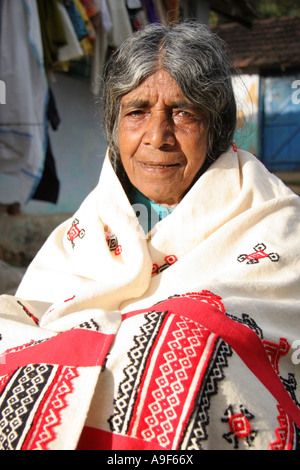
column 247, row 97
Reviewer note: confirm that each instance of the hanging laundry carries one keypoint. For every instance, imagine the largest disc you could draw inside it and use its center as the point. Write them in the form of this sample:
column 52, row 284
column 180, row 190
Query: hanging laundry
column 137, row 14
column 96, row 11
column 167, row 11
column 72, row 49
column 92, row 7
column 172, row 8
column 105, row 16
column 134, row 4
column 151, row 10
column 161, row 11
column 48, row 187
column 52, row 30
column 83, row 13
column 113, row 26
column 76, row 19
column 86, row 42
column 23, row 122
column 121, row 26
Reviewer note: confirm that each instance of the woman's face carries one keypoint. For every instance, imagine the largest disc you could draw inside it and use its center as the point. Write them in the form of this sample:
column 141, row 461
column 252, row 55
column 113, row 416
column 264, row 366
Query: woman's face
column 162, row 139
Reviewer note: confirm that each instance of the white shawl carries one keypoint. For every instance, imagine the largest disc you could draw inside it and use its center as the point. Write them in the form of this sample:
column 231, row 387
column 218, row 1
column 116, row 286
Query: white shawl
column 231, row 247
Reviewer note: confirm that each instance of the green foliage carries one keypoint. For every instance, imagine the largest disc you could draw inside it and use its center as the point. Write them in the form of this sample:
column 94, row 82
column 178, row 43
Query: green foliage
column 275, row 8
column 265, row 9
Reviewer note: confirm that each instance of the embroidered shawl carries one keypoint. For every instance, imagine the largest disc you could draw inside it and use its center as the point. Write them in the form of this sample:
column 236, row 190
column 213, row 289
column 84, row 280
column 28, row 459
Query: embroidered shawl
column 187, row 337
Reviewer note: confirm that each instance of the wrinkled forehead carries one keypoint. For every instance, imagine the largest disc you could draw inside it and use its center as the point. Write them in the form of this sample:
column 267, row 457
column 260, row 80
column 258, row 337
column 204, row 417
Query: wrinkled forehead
column 158, row 87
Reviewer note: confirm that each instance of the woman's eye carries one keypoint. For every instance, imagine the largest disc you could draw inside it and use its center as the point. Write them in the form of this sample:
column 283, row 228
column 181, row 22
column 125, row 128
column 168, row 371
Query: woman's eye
column 136, row 113
column 184, row 115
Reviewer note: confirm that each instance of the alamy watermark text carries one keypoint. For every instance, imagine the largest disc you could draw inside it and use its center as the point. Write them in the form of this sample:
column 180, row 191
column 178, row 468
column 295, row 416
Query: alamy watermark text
column 2, row 92
column 296, row 93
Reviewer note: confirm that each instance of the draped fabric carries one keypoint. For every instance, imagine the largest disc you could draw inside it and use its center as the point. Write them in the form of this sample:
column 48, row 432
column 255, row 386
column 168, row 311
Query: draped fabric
column 23, row 123
column 186, row 337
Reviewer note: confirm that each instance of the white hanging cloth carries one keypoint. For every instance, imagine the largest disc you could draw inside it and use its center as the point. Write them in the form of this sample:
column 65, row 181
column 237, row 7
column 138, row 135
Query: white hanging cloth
column 112, row 28
column 72, row 50
column 23, row 117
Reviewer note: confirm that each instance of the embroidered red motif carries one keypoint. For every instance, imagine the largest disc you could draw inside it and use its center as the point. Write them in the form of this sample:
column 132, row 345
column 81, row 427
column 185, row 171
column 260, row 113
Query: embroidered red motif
column 169, row 260
column 258, row 254
column 118, row 250
column 71, row 298
column 112, row 241
column 285, row 431
column 275, row 351
column 239, row 425
column 28, row 312
column 75, row 232
column 208, row 297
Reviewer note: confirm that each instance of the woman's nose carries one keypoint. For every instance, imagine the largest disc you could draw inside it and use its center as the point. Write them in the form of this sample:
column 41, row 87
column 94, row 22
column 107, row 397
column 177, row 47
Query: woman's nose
column 159, row 131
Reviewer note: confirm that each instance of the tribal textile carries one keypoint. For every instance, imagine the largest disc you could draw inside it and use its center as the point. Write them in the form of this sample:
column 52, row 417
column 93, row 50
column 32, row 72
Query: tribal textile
column 186, row 337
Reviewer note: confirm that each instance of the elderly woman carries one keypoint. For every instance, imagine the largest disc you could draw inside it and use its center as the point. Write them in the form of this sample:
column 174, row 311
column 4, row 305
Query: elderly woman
column 165, row 314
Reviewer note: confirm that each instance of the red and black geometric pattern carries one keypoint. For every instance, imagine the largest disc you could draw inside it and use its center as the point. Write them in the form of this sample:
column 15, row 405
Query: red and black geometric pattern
column 174, row 367
column 168, row 261
column 181, row 356
column 75, row 232
column 239, row 425
column 196, row 430
column 258, row 254
column 112, row 241
column 33, row 395
column 31, row 391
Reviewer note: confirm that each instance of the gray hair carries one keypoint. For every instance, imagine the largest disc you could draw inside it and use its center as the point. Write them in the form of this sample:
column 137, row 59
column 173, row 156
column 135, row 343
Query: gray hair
column 195, row 57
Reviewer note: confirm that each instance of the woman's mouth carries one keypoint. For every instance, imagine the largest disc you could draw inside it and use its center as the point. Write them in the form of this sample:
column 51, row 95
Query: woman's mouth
column 159, row 165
